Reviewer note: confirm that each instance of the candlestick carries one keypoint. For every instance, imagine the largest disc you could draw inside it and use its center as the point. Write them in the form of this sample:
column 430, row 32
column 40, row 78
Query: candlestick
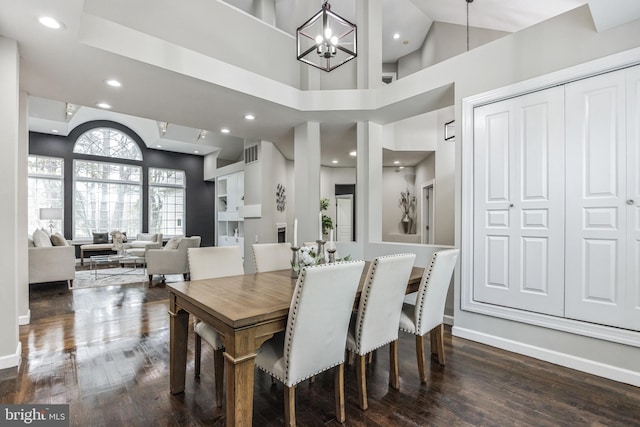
column 295, row 233
column 320, row 226
column 331, row 235
column 295, row 262
column 320, row 243
column 332, row 255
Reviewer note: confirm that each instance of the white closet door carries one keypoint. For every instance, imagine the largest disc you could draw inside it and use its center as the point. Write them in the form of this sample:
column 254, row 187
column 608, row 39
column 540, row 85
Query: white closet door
column 633, row 198
column 596, row 246
column 519, row 202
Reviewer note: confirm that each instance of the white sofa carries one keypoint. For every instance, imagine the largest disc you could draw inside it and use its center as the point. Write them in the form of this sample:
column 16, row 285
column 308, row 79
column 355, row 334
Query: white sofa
column 135, row 247
column 52, row 264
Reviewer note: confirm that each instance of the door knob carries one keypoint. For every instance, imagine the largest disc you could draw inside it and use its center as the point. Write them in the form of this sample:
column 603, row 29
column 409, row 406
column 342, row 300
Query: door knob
column 630, row 202
column 510, row 205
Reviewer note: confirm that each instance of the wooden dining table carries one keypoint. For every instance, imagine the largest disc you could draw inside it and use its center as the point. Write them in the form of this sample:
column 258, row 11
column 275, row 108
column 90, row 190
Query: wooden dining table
column 246, row 310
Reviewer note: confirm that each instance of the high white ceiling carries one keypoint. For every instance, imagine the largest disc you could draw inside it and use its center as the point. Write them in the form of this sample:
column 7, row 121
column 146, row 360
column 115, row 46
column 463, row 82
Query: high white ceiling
column 60, row 67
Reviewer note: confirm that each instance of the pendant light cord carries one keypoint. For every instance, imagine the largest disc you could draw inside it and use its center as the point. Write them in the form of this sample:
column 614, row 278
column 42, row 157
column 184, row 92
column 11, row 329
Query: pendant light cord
column 468, row 2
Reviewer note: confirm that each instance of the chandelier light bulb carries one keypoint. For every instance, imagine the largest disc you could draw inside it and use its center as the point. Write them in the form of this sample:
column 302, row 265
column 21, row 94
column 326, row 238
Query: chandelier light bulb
column 334, row 41
column 327, row 33
column 319, row 39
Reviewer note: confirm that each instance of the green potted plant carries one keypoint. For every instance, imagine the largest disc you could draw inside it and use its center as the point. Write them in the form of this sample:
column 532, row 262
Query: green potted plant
column 327, row 222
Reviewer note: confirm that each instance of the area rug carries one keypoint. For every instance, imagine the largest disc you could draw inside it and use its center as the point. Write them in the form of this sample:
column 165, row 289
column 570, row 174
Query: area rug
column 117, row 276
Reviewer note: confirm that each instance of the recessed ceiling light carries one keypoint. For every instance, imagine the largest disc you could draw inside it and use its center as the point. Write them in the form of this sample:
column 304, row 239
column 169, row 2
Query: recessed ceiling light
column 50, row 22
column 224, row 130
column 249, row 117
column 55, row 130
column 396, row 36
column 397, row 162
column 158, row 146
column 334, row 161
column 103, row 105
column 353, row 153
column 195, row 152
column 113, row 83
column 400, row 167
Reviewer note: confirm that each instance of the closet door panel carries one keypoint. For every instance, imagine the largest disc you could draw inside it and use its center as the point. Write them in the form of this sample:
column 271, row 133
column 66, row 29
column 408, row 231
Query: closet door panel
column 595, row 190
column 519, row 202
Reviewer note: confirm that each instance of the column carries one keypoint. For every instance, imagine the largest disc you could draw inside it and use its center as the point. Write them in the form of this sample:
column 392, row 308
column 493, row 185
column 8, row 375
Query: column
column 10, row 348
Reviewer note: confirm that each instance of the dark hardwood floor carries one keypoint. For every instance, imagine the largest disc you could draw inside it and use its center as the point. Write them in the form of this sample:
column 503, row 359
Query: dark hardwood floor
column 105, row 352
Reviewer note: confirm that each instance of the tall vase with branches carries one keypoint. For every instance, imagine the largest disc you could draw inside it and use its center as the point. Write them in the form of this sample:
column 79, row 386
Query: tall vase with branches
column 407, row 204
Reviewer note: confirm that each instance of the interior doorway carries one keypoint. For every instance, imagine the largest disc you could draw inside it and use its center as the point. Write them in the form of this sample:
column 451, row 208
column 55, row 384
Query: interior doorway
column 427, row 207
column 344, row 217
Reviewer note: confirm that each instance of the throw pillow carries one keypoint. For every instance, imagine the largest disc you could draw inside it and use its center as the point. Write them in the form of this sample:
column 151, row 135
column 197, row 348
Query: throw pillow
column 31, row 244
column 100, row 237
column 58, row 240
column 173, row 243
column 124, row 237
column 41, row 240
column 146, row 237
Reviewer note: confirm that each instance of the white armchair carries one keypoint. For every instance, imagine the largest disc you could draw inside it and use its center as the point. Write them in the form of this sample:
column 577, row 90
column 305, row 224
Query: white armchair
column 170, row 260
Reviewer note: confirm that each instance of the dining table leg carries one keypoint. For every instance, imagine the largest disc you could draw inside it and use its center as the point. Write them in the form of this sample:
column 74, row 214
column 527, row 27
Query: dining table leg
column 178, row 336
column 239, row 357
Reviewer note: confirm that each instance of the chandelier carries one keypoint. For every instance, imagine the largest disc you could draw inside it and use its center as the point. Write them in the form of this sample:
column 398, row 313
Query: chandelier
column 326, row 40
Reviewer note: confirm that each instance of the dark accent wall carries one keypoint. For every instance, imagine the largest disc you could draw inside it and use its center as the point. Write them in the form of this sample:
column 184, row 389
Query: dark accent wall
column 199, row 193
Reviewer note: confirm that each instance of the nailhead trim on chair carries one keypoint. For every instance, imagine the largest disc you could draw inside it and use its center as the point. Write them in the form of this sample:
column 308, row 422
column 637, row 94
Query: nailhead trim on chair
column 365, row 299
column 422, row 295
column 289, row 331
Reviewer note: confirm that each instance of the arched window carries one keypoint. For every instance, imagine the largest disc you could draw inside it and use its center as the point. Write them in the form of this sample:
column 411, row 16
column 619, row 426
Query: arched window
column 107, row 142
column 106, row 196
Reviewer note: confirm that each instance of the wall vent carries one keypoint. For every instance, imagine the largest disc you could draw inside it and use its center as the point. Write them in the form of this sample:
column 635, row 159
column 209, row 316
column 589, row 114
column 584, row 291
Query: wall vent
column 251, row 154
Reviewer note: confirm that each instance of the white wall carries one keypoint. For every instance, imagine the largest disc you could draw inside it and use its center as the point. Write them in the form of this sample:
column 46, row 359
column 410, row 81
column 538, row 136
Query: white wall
column 445, row 41
column 11, row 251
column 261, row 180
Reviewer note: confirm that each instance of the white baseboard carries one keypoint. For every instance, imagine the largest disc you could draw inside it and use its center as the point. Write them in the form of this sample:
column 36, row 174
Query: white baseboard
column 569, row 361
column 447, row 320
column 12, row 360
column 25, row 320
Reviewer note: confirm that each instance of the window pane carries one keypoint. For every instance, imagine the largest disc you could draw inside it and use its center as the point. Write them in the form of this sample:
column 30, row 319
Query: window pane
column 103, row 206
column 87, row 170
column 45, row 189
column 107, row 196
column 166, row 201
column 107, row 142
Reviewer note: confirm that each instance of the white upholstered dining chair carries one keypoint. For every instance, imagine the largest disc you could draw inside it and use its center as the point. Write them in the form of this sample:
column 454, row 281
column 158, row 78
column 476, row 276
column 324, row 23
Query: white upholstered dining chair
column 316, row 332
column 271, row 256
column 428, row 312
column 375, row 323
column 208, row 263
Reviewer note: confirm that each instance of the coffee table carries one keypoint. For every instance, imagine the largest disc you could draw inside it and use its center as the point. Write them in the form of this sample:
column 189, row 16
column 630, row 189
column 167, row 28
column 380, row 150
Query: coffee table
column 97, row 260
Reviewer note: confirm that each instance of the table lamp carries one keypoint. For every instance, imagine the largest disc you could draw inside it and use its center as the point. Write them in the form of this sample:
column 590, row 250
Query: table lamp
column 51, row 214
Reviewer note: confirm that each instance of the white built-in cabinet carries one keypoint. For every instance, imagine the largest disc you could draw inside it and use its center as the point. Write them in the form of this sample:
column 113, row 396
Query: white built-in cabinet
column 230, row 199
column 556, row 192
